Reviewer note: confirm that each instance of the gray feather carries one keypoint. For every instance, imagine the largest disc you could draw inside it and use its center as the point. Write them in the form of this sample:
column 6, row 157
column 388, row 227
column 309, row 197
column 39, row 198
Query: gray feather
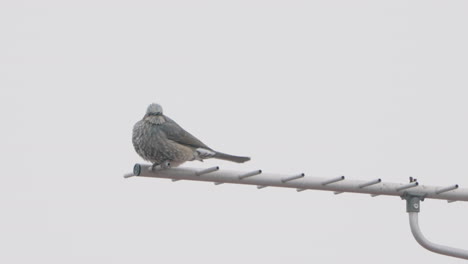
column 223, row 156
column 159, row 139
column 176, row 133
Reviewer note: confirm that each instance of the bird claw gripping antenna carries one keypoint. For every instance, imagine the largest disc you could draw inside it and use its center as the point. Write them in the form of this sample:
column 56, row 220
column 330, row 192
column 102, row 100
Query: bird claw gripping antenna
column 412, row 192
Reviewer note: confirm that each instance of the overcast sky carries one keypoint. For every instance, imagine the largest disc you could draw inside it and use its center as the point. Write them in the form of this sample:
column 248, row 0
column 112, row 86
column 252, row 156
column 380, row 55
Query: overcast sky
column 366, row 89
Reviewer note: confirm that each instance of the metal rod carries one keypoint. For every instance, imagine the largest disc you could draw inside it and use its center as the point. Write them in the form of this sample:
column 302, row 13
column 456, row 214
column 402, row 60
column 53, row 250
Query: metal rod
column 374, row 195
column 447, row 189
column 292, row 178
column 128, row 175
column 337, row 179
column 337, row 192
column 440, row 249
column 261, row 186
column 250, row 174
column 306, row 183
column 206, row 171
column 218, row 183
column 174, row 180
column 370, row 183
column 407, row 186
column 300, row 190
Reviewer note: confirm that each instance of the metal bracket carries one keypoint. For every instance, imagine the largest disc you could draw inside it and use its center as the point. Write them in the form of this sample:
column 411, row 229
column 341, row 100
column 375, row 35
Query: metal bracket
column 413, row 204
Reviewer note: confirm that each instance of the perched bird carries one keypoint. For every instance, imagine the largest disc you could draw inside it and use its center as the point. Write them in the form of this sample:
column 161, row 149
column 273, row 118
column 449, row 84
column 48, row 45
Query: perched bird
column 160, row 140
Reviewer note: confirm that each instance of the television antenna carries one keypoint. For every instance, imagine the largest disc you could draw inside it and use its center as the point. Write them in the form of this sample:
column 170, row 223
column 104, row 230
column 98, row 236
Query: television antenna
column 412, row 192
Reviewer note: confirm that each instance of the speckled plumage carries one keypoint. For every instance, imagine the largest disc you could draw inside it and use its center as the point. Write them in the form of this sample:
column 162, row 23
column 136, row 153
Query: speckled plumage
column 159, row 139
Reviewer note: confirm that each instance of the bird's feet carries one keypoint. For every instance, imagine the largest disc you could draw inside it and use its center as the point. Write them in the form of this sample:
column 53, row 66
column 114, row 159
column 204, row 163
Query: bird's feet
column 160, row 166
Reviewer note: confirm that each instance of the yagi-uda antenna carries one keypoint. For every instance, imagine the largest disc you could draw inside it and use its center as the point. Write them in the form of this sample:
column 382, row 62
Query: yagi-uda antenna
column 412, row 192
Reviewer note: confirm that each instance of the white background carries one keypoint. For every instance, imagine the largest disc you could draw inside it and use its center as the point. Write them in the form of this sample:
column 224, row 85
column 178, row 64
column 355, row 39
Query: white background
column 365, row 89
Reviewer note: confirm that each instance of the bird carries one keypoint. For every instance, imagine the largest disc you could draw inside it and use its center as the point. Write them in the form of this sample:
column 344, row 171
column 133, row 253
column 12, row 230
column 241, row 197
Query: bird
column 161, row 141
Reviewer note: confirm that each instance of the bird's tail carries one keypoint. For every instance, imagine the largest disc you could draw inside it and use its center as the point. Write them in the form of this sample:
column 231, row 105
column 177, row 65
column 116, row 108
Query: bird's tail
column 223, row 156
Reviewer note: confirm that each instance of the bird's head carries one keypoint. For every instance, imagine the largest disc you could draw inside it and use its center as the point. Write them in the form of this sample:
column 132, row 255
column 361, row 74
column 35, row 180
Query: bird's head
column 154, row 114
column 154, row 110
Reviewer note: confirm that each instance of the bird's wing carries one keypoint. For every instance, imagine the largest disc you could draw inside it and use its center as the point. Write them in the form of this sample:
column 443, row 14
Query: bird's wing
column 176, row 133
